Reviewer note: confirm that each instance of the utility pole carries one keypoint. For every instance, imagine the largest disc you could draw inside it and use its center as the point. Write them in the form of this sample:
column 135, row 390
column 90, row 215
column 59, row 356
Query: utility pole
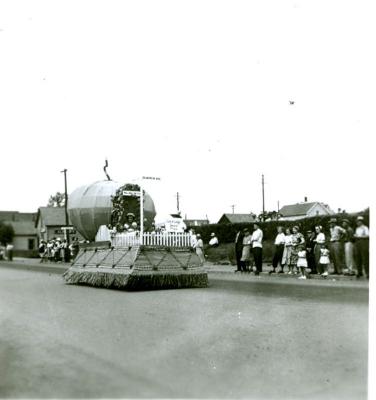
column 277, row 210
column 233, row 208
column 177, row 202
column 263, row 197
column 64, row 171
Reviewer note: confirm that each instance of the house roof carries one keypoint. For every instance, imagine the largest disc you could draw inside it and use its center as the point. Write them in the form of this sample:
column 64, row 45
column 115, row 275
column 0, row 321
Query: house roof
column 26, row 228
column 238, row 218
column 16, row 216
column 297, row 209
column 202, row 221
column 51, row 216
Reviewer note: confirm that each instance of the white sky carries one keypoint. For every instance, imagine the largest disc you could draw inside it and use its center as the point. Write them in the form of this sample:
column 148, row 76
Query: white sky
column 195, row 92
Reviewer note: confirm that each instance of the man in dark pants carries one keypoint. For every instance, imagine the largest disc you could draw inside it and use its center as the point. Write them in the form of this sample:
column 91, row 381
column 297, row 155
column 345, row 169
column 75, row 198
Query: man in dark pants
column 257, row 247
column 238, row 250
column 279, row 245
column 362, row 247
column 310, row 253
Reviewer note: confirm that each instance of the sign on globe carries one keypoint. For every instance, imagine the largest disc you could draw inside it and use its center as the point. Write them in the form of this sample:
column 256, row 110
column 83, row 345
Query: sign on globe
column 131, row 193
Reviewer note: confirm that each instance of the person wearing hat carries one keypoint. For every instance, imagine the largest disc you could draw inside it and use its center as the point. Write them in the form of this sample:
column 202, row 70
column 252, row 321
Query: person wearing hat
column 310, row 240
column 199, row 247
column 336, row 246
column 247, row 251
column 362, row 247
column 257, row 236
column 348, row 240
column 297, row 243
column 213, row 242
column 130, row 219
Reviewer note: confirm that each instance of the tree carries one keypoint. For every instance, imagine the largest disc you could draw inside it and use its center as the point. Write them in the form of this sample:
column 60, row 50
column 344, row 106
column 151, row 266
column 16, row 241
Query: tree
column 269, row 216
column 57, row 200
column 6, row 233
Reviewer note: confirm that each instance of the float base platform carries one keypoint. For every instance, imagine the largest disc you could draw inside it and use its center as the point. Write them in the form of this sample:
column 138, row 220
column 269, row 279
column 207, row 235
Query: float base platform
column 137, row 268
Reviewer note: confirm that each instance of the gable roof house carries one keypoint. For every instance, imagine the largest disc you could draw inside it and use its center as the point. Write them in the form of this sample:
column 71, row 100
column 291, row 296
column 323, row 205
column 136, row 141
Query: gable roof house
column 49, row 223
column 297, row 211
column 237, row 219
column 25, row 234
column 196, row 222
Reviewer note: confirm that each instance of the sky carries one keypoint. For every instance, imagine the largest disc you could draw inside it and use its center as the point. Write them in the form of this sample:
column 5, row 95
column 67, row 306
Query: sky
column 197, row 93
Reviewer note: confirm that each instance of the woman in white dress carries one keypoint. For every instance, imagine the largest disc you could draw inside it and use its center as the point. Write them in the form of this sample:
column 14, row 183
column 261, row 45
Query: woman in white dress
column 199, row 247
column 246, row 252
column 286, row 257
column 319, row 243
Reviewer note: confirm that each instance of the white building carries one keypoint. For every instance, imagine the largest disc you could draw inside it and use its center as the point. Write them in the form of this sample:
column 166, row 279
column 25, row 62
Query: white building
column 304, row 210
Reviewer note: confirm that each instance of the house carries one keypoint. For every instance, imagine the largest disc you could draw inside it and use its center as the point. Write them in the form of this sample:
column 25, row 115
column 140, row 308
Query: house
column 50, row 222
column 304, row 210
column 25, row 239
column 196, row 222
column 237, row 219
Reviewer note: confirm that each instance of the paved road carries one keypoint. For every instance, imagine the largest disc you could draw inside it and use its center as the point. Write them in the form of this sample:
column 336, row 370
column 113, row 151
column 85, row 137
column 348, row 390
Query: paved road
column 241, row 337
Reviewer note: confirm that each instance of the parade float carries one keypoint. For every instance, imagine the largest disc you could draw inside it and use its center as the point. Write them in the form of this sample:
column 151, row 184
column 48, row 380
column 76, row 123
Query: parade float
column 124, row 250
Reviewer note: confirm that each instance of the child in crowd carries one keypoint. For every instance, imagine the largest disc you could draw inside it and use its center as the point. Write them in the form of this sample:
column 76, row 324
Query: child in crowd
column 324, row 260
column 302, row 261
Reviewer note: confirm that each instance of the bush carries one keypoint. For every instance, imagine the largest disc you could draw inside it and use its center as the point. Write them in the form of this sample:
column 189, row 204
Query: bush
column 6, row 233
column 225, row 252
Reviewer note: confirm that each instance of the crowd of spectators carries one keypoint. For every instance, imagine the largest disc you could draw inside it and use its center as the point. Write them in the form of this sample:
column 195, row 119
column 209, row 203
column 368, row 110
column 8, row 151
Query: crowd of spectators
column 58, row 250
column 346, row 250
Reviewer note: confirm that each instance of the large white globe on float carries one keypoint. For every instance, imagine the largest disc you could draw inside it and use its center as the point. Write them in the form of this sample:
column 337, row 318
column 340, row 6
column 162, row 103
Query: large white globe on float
column 90, row 206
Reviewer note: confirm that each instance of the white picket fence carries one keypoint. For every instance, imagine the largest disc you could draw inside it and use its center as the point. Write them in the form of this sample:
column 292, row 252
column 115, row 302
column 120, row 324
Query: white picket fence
column 152, row 239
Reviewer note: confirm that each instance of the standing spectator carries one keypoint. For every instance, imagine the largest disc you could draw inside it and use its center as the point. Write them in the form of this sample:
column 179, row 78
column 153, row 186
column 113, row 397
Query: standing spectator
column 257, row 247
column 310, row 251
column 279, row 245
column 239, row 250
column 319, row 243
column 42, row 250
column 193, row 237
column 75, row 247
column 213, row 242
column 9, row 250
column 57, row 247
column 324, row 260
column 362, row 247
column 246, row 251
column 297, row 240
column 286, row 258
column 348, row 239
column 50, row 250
column 66, row 251
column 336, row 250
column 199, row 247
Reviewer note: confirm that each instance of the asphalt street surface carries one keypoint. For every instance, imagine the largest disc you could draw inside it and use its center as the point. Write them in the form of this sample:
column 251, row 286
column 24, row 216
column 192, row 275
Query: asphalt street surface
column 243, row 337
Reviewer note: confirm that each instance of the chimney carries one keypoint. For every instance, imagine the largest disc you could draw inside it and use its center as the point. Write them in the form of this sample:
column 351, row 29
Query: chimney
column 305, row 199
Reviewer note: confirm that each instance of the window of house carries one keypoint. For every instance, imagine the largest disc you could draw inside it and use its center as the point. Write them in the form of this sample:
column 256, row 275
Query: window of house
column 31, row 244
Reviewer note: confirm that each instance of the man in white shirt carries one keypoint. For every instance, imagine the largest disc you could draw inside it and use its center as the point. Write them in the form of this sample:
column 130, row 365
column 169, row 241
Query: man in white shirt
column 362, row 247
column 257, row 247
column 336, row 245
column 279, row 245
column 213, row 242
